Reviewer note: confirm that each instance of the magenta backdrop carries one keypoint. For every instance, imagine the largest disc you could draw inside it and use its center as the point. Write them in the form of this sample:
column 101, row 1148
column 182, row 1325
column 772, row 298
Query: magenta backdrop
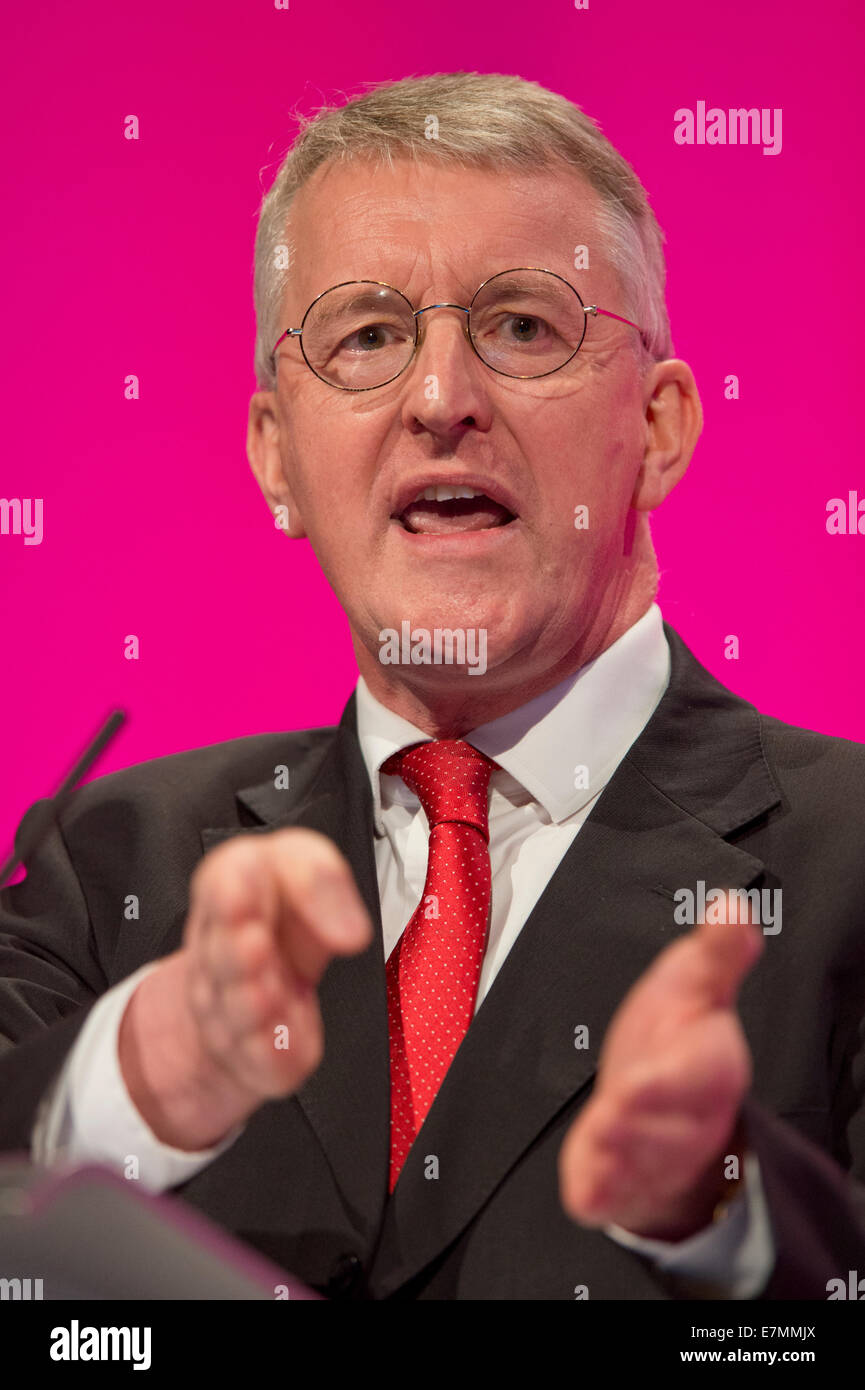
column 136, row 257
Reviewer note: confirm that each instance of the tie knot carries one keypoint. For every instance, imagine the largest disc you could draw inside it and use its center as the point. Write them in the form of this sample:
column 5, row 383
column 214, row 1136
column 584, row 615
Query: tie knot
column 450, row 779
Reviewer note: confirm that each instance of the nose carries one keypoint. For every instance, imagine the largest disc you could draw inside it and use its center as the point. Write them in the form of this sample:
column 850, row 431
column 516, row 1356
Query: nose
column 462, row 308
column 421, row 322
column 446, row 386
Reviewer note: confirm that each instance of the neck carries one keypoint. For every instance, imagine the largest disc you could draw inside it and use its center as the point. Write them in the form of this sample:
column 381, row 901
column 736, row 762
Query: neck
column 453, row 710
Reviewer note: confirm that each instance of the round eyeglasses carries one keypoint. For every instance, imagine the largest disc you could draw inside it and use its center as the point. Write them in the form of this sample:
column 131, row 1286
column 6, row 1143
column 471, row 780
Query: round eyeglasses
column 524, row 323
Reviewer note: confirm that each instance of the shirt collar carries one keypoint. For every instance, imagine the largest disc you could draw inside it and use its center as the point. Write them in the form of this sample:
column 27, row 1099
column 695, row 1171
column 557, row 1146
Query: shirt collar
column 588, row 721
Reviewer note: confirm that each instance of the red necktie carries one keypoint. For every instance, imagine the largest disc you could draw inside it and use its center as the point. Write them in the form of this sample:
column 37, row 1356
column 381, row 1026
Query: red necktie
column 434, row 970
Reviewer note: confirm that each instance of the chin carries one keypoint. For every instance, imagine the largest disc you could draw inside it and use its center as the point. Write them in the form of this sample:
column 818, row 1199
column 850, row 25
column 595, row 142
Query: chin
column 465, row 601
column 443, row 653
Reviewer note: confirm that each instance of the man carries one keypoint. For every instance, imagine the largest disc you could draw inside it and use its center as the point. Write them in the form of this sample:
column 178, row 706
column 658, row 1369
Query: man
column 410, row 1004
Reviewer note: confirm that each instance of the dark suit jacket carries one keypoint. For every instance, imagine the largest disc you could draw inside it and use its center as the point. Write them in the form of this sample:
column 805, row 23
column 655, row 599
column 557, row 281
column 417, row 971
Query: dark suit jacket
column 711, row 790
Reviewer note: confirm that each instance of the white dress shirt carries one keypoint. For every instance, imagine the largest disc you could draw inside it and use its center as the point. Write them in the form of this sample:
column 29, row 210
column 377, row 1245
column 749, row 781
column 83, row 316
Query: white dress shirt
column 537, row 806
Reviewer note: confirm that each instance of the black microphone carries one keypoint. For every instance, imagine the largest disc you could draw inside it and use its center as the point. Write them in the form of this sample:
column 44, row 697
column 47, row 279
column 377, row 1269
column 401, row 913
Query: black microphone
column 45, row 812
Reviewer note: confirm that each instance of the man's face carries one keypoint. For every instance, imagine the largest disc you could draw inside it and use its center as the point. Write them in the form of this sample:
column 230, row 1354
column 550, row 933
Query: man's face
column 348, row 464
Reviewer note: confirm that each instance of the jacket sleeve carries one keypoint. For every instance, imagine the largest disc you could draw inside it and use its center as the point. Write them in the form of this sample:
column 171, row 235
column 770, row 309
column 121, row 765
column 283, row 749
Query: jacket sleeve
column 50, row 976
column 816, row 1208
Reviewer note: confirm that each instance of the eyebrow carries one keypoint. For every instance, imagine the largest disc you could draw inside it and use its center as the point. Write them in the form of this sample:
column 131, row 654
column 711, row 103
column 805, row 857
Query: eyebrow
column 514, row 284
column 365, row 300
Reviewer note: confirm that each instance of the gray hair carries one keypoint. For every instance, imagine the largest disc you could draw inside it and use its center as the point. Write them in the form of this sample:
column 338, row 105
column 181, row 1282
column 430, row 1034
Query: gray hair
column 485, row 121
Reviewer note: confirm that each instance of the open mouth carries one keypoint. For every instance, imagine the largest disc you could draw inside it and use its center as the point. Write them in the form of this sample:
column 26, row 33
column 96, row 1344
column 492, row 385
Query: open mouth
column 442, row 511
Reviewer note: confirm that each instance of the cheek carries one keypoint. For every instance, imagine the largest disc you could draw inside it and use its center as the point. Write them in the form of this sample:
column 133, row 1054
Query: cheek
column 585, row 477
column 337, row 528
column 607, row 445
column 585, row 501
column 331, row 472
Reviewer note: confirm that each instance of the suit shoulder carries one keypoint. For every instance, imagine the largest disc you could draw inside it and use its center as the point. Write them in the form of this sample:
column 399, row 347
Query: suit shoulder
column 825, row 766
column 794, row 742
column 202, row 779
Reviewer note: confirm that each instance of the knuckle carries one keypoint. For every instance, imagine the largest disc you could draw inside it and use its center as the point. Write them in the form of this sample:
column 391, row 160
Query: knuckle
column 239, row 855
column 306, row 854
column 637, row 1093
column 219, row 1040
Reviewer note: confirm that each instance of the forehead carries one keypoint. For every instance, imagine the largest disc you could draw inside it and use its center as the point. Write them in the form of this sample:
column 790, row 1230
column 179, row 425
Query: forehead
column 420, row 221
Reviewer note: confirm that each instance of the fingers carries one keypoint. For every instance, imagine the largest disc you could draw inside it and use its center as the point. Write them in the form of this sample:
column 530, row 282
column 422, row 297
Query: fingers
column 267, row 913
column 702, row 1070
column 729, row 949
column 673, row 1069
column 705, row 969
column 296, row 881
column 646, row 1138
column 265, row 1031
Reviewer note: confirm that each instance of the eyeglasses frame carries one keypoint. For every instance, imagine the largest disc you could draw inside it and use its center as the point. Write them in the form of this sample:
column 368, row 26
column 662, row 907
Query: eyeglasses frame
column 592, row 309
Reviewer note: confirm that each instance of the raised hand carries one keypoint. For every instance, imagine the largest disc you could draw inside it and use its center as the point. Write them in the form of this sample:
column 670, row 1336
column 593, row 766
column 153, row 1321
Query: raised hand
column 647, row 1152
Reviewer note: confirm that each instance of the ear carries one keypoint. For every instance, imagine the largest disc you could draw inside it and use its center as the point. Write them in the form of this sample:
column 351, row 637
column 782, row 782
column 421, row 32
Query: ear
column 262, row 450
column 674, row 422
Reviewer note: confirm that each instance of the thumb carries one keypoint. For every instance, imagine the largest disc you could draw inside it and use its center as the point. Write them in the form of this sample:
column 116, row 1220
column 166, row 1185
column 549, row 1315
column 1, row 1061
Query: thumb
column 729, row 948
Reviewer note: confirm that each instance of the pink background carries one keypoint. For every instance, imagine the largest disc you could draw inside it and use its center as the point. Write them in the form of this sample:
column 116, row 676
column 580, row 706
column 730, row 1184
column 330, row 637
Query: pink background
column 124, row 257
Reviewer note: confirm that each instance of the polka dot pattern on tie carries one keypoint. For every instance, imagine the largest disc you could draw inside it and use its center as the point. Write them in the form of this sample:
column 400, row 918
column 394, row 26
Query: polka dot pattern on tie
column 434, row 970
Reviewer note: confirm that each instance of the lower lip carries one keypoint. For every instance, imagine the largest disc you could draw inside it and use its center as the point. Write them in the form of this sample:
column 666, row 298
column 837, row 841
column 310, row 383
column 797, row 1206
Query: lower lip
column 454, row 544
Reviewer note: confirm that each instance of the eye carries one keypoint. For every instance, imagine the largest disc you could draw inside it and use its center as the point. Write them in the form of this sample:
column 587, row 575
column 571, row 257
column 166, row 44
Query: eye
column 370, row 338
column 527, row 326
column 515, row 328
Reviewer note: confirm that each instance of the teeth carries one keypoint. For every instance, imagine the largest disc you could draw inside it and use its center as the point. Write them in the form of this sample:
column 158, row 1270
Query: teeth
column 446, row 494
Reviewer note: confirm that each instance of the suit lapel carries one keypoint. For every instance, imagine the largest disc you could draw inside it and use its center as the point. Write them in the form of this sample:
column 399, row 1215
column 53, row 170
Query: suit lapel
column 347, row 1099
